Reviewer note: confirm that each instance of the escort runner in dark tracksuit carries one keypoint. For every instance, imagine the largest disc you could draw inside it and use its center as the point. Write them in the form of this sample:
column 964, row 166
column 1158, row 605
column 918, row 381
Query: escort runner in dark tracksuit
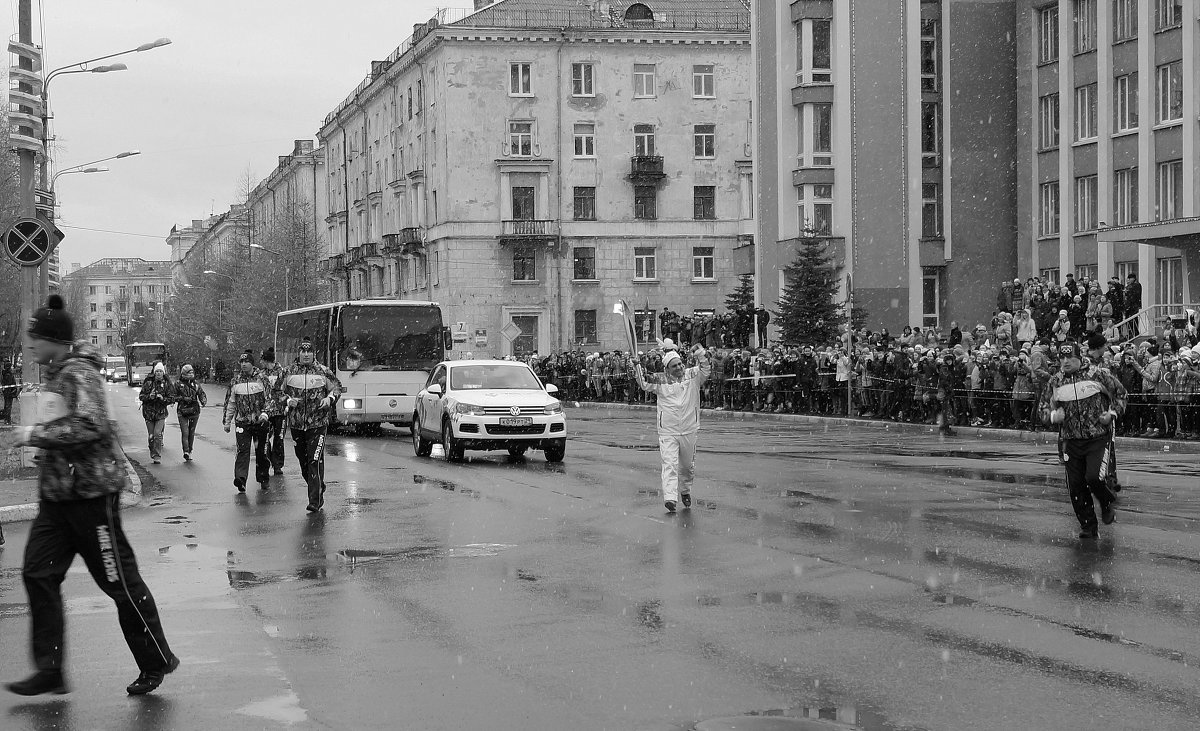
column 311, row 390
column 246, row 409
column 1084, row 400
column 273, row 374
column 80, row 479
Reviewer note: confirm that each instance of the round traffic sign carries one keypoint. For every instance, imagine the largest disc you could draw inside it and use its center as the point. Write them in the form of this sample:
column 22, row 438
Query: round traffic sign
column 29, row 241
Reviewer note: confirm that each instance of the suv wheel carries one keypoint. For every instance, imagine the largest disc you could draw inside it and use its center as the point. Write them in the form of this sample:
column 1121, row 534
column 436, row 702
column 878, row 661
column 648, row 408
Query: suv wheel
column 421, row 446
column 450, row 445
column 555, row 450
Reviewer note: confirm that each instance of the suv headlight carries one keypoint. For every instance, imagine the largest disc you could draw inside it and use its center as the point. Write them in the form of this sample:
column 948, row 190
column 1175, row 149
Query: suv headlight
column 352, row 403
column 468, row 409
column 554, row 408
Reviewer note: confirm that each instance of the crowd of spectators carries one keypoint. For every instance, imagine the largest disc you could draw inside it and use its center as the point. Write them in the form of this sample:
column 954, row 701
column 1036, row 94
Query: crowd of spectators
column 991, row 375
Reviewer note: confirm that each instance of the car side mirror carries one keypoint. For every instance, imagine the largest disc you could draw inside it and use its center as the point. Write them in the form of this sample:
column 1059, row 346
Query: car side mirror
column 435, row 389
column 551, row 388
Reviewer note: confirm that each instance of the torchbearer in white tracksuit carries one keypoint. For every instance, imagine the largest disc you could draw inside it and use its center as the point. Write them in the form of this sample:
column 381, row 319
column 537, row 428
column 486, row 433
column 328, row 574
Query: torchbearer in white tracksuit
column 678, row 393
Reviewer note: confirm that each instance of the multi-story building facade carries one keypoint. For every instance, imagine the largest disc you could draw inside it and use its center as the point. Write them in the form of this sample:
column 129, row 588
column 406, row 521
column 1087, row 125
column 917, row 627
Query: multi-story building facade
column 210, row 243
column 291, row 200
column 888, row 130
column 530, row 164
column 110, row 295
column 1108, row 142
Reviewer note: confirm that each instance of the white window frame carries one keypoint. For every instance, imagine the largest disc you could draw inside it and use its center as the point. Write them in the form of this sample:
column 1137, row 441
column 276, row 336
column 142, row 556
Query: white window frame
column 809, row 156
column 1048, row 114
column 1168, row 280
column 814, row 206
column 1125, row 196
column 1048, row 209
column 932, row 156
column 1085, row 203
column 1122, row 270
column 1125, row 20
column 585, row 139
column 704, row 264
column 583, row 79
column 643, row 141
column 931, row 319
column 521, row 142
column 1168, row 93
column 1085, row 25
column 1086, row 270
column 704, row 81
column 1047, row 25
column 1167, row 14
column 1168, row 190
column 520, row 78
column 704, row 141
column 931, row 54
column 645, row 264
column 1125, row 102
column 1085, row 113
column 645, row 83
column 1050, row 275
column 806, row 32
column 931, row 210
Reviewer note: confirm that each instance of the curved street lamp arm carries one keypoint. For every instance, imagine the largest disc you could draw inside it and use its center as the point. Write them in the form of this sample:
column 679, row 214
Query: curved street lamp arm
column 63, row 69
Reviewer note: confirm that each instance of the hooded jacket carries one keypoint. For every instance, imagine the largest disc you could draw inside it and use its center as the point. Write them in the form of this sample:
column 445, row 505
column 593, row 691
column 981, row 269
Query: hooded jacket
column 310, row 383
column 189, row 397
column 155, row 398
column 79, row 458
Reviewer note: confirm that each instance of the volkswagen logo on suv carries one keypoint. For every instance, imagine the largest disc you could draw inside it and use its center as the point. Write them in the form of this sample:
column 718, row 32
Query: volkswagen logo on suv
column 515, row 411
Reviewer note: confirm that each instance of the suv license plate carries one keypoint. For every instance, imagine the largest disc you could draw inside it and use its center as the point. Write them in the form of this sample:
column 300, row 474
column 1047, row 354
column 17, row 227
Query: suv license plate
column 516, row 420
column 391, row 417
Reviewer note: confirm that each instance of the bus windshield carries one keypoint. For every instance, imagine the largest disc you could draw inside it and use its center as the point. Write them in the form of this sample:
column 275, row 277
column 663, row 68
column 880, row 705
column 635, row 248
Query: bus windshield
column 376, row 338
column 144, row 354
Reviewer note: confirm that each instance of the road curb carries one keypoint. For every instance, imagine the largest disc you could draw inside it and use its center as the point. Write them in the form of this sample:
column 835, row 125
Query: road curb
column 1039, row 437
column 130, row 496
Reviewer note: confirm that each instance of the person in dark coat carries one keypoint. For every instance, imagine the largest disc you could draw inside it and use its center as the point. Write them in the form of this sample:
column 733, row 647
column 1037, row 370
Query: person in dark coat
column 8, row 383
column 762, row 318
column 1133, row 301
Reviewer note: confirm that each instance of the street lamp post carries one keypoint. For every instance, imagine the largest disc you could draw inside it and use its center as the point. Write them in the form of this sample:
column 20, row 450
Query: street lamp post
column 287, row 275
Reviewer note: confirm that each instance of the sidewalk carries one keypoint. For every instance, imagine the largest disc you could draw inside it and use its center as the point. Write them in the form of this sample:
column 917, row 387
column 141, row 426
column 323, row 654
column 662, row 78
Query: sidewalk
column 1049, row 438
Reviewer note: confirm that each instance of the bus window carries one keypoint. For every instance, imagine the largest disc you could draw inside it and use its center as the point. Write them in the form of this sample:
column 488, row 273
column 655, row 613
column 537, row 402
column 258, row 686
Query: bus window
column 389, row 338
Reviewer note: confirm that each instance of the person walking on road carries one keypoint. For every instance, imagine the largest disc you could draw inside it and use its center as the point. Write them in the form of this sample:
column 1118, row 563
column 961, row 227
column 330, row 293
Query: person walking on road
column 311, row 390
column 276, row 408
column 1084, row 400
column 678, row 392
column 246, row 411
column 189, row 398
column 155, row 398
column 81, row 476
column 8, row 383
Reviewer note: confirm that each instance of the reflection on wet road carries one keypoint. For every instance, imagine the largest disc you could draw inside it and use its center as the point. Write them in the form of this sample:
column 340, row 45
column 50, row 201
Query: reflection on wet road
column 878, row 580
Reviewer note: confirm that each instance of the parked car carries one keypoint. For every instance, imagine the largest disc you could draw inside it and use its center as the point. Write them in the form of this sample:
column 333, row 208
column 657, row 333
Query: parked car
column 117, row 375
column 488, row 405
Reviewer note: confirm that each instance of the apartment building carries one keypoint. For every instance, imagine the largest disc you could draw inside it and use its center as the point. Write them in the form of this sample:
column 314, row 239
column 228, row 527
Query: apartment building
column 112, row 298
column 529, row 164
column 1108, row 140
column 888, row 130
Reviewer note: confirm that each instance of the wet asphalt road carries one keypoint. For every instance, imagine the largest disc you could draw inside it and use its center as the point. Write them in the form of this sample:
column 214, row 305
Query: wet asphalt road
column 886, row 581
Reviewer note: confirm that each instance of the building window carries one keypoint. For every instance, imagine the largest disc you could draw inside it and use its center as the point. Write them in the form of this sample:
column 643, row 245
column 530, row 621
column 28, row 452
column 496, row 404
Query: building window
column 814, row 51
column 1170, row 281
column 815, row 204
column 816, row 138
column 585, row 327
column 520, row 81
column 703, row 262
column 643, row 140
column 1125, row 102
column 121, row 306
column 1047, row 22
column 704, row 82
column 645, row 202
column 1125, row 20
column 1123, row 270
column 1048, row 122
column 92, row 307
column 1085, row 203
column 107, row 289
column 1049, row 276
column 92, row 291
column 524, row 266
column 585, row 140
column 1086, row 270
column 95, row 340
column 931, row 133
column 1169, row 92
column 704, row 202
column 644, row 86
column 410, row 104
column 1168, row 191
column 523, row 208
column 437, row 268
column 1085, row 112
column 931, row 210
column 520, row 139
column 124, row 290
column 137, row 289
column 108, row 340
column 931, row 54
column 644, row 263
column 1125, row 196
column 582, row 83
column 108, row 324
column 1085, row 26
column 585, row 263
column 1048, row 209
column 931, row 297
column 93, row 325
column 1168, row 14
column 151, row 290
column 584, row 203
column 705, row 138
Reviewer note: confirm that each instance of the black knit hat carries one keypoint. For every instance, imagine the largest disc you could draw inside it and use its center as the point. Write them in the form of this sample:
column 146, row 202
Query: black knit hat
column 269, row 355
column 246, row 357
column 52, row 322
column 1097, row 341
column 306, row 345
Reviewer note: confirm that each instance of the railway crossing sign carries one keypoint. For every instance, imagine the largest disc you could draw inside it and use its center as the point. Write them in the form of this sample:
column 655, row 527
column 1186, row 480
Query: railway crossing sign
column 29, row 241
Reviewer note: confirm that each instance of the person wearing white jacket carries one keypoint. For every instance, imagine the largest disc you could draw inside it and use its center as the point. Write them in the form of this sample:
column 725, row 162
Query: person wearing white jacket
column 678, row 392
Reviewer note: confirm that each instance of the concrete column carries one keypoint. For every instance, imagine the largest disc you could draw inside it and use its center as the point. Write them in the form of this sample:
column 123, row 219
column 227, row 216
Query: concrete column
column 1148, row 274
column 1066, row 135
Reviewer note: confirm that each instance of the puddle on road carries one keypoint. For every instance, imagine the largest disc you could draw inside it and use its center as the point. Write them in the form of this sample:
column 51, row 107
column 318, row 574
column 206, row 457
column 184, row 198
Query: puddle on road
column 362, row 500
column 176, row 519
column 803, row 718
column 649, row 614
column 445, row 485
column 358, row 555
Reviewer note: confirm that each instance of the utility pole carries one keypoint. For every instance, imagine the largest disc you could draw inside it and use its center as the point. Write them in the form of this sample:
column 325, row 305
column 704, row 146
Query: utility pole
column 27, row 157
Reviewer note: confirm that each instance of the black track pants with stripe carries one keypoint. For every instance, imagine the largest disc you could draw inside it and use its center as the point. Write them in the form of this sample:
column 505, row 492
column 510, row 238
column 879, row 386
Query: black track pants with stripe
column 92, row 529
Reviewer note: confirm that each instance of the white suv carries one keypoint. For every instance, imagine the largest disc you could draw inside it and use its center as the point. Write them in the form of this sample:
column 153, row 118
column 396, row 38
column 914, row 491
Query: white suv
column 488, row 404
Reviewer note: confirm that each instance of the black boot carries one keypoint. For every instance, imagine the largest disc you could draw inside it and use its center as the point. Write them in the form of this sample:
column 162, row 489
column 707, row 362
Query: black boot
column 43, row 681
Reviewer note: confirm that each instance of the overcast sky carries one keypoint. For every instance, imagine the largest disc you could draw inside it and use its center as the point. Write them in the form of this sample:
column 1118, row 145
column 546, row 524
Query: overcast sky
column 240, row 82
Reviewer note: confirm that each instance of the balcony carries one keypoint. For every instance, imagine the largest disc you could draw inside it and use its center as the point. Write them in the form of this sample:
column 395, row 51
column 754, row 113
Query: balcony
column 361, row 253
column 407, row 241
column 528, row 231
column 337, row 263
column 646, row 168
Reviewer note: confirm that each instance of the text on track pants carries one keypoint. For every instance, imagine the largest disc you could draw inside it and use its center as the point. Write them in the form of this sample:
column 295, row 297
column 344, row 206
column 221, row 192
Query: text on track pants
column 310, row 452
column 1086, row 467
column 678, row 464
column 251, row 436
column 92, row 529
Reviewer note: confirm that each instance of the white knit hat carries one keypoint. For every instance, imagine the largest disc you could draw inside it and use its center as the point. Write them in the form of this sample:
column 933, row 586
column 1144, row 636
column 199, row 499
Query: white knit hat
column 670, row 357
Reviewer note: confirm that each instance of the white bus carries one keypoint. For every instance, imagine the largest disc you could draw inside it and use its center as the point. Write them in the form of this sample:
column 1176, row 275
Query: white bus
column 381, row 350
column 140, row 359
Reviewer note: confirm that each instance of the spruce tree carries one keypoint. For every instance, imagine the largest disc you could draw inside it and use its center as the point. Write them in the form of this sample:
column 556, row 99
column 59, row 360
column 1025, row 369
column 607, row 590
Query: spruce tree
column 808, row 311
column 740, row 305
